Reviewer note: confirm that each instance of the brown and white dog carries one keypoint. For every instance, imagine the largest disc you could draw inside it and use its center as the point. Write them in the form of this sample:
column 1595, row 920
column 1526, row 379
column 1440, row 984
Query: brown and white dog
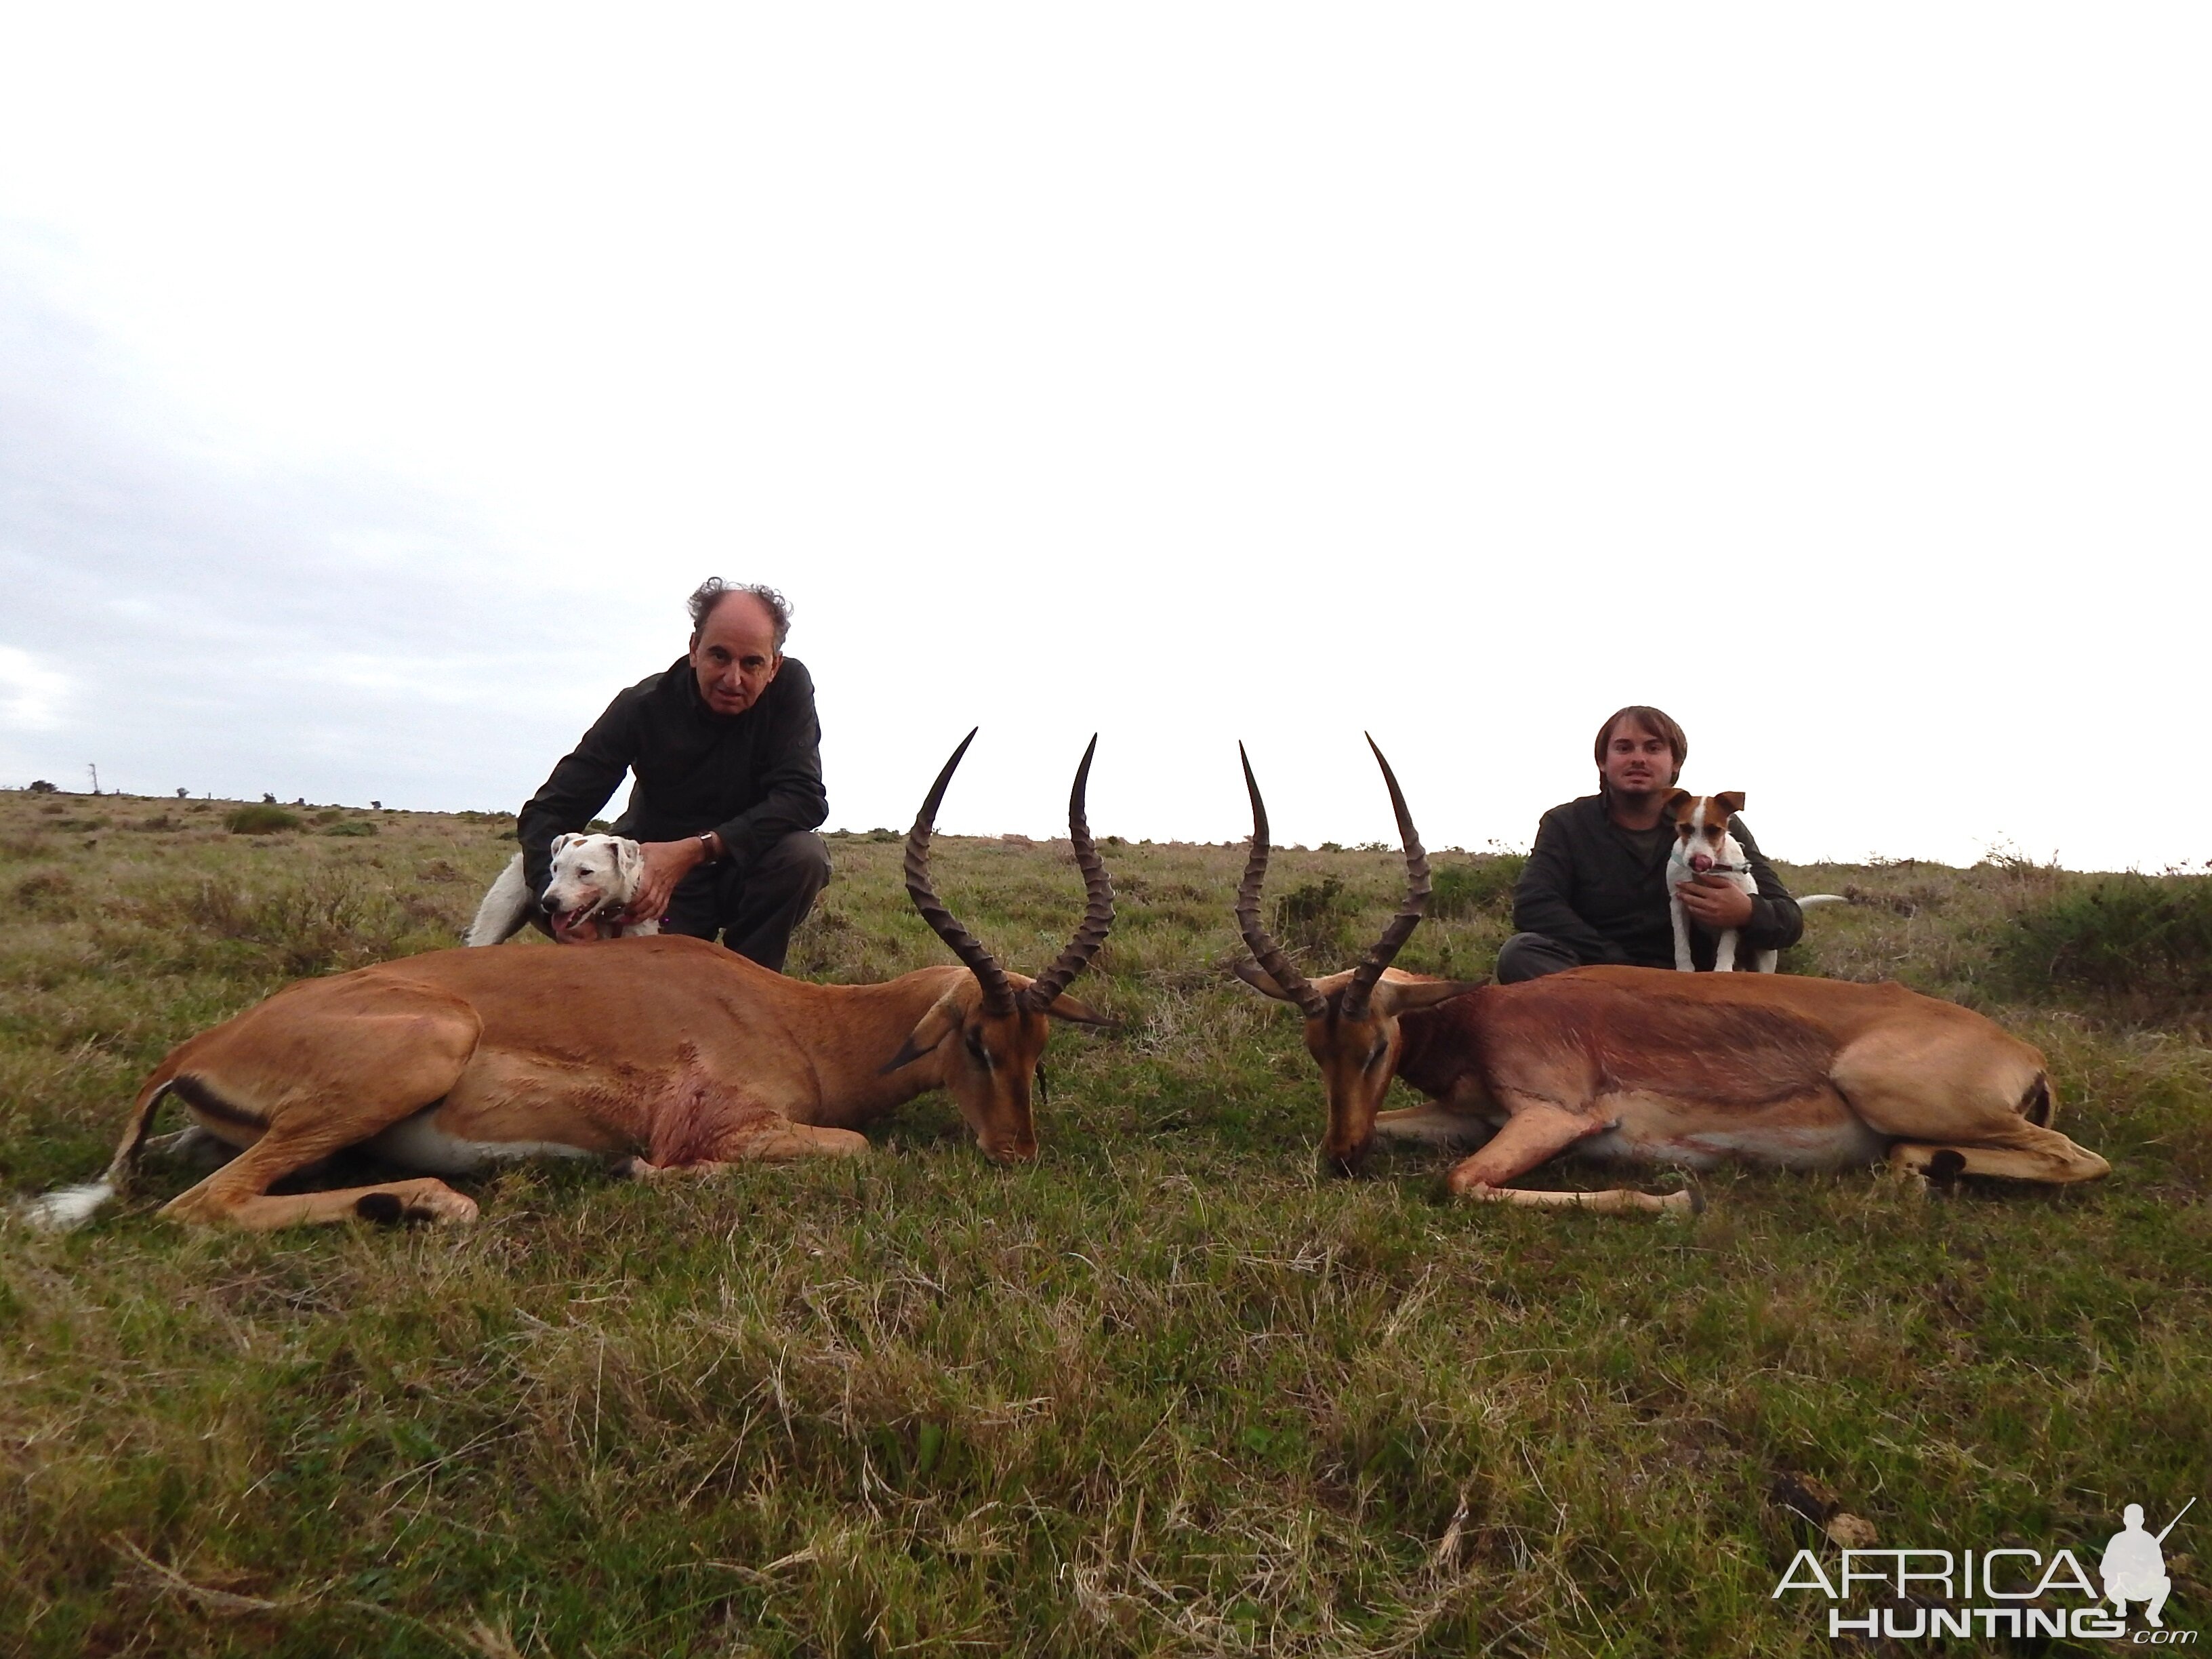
column 593, row 878
column 1703, row 846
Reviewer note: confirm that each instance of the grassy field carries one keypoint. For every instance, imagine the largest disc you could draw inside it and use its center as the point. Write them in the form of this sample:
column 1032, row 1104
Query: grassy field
column 1169, row 1391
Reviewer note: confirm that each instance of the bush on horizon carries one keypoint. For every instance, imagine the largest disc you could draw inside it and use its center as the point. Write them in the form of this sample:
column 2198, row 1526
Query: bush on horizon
column 2127, row 935
column 263, row 820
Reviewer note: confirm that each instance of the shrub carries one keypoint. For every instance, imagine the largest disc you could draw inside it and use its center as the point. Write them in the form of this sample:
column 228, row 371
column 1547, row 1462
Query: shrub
column 261, row 820
column 41, row 889
column 41, row 787
column 2134, row 935
column 1463, row 890
column 351, row 827
column 1317, row 917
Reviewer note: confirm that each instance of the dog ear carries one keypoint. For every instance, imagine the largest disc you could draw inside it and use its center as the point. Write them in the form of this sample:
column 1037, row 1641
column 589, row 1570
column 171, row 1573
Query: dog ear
column 561, row 841
column 1676, row 802
column 629, row 861
column 1731, row 801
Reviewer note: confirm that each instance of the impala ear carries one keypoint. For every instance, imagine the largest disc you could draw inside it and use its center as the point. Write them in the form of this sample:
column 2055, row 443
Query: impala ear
column 940, row 1022
column 1249, row 970
column 1677, row 801
column 1731, row 801
column 1065, row 1007
column 1402, row 996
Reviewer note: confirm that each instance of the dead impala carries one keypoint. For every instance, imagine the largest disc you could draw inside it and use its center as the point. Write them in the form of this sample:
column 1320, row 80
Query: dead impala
column 1641, row 1066
column 680, row 1053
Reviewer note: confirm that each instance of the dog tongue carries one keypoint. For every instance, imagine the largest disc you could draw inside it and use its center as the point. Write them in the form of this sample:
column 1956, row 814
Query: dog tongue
column 1700, row 863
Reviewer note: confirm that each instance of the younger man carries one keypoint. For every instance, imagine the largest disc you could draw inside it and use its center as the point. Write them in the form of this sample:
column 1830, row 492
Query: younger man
column 1596, row 887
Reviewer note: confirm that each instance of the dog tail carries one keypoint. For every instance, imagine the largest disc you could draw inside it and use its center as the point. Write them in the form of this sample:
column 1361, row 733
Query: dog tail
column 72, row 1207
column 1812, row 899
column 505, row 908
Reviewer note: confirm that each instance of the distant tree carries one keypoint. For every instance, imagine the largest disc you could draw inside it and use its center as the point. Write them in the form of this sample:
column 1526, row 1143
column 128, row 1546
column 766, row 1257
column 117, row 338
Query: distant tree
column 181, row 793
column 268, row 800
column 40, row 786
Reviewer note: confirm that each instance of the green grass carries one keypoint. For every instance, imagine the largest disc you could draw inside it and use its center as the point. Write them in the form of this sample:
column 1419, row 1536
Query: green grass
column 1168, row 1392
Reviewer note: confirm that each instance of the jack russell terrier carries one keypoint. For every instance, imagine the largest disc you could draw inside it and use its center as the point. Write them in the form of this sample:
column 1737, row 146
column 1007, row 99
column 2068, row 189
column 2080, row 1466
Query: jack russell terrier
column 1703, row 846
column 594, row 877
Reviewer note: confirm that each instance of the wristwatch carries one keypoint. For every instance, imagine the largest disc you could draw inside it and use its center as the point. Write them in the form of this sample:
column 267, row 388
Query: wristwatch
column 707, row 846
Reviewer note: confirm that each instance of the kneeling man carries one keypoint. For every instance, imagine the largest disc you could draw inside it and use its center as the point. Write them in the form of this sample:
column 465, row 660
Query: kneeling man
column 1595, row 889
column 727, row 756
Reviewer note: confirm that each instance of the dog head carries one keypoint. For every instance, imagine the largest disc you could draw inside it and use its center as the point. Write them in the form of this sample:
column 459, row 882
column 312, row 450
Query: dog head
column 594, row 877
column 1701, row 828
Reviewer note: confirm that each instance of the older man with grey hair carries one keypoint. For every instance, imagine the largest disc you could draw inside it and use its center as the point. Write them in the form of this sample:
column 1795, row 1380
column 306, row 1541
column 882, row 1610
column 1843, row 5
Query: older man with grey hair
column 726, row 753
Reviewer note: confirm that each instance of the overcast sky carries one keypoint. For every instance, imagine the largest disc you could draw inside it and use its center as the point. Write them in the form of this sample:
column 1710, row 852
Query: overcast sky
column 374, row 384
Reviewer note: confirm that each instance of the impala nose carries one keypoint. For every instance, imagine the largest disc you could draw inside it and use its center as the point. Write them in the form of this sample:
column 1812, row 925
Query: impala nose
column 1346, row 1163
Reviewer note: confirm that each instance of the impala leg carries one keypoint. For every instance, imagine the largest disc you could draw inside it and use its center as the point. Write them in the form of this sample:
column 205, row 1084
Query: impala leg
column 778, row 1141
column 301, row 1078
column 214, row 1202
column 1433, row 1124
column 2031, row 1154
column 1534, row 1134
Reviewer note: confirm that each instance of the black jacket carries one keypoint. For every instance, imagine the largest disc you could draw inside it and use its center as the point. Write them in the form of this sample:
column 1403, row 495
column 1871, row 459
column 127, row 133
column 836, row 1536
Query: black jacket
column 754, row 777
column 1603, row 890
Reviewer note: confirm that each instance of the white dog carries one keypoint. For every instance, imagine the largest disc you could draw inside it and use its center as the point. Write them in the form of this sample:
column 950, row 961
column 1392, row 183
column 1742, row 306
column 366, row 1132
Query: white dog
column 1703, row 846
column 594, row 877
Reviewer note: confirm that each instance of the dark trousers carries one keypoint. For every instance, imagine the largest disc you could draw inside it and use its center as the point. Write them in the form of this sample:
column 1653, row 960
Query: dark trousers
column 1532, row 956
column 756, row 910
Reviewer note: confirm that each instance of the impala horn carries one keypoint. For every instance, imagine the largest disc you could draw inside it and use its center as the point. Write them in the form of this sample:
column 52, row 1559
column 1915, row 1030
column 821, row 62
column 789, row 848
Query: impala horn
column 1365, row 976
column 1097, row 895
column 998, row 994
column 1268, row 954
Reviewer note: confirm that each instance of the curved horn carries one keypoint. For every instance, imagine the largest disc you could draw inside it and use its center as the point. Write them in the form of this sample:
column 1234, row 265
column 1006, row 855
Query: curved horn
column 1365, row 976
column 1264, row 948
column 998, row 995
column 1098, row 900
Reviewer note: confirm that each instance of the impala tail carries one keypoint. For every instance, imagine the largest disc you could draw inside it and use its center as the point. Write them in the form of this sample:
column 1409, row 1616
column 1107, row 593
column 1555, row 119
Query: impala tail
column 71, row 1207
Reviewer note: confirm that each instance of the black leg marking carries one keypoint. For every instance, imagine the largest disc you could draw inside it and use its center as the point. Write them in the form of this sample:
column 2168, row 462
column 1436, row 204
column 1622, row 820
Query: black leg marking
column 383, row 1208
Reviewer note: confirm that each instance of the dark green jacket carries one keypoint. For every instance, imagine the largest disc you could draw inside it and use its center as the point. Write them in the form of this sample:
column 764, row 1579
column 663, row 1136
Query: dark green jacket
column 755, row 777
column 1590, row 886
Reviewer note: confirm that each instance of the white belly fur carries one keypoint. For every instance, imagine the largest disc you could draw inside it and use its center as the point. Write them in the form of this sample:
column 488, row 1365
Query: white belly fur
column 416, row 1143
column 1832, row 1145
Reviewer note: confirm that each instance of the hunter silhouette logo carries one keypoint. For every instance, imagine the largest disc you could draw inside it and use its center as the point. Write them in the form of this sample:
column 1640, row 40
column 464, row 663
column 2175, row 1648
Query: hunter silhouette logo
column 1931, row 1595
column 2134, row 1567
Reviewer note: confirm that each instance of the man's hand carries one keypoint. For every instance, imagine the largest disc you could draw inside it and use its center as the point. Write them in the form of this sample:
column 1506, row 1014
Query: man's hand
column 1714, row 900
column 667, row 863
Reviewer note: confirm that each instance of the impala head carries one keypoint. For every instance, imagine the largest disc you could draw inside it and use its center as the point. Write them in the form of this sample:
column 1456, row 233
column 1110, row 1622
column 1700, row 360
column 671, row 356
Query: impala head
column 989, row 1029
column 1352, row 1018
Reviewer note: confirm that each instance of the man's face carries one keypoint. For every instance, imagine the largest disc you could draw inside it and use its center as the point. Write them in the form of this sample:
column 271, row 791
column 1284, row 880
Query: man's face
column 1638, row 761
column 734, row 654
